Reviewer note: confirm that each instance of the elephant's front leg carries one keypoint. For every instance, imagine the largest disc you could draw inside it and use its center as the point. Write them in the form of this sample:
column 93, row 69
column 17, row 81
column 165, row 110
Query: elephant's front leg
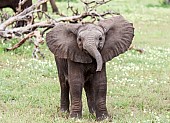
column 90, row 96
column 100, row 85
column 76, row 82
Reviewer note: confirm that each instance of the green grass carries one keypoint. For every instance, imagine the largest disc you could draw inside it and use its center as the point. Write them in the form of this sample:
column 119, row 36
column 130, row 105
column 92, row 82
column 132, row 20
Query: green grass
column 138, row 84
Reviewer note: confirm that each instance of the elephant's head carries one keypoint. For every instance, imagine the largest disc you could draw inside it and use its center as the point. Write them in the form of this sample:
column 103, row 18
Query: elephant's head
column 103, row 41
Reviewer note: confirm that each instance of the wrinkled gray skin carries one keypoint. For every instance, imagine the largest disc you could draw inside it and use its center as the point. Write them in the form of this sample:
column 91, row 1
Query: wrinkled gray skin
column 91, row 38
column 81, row 52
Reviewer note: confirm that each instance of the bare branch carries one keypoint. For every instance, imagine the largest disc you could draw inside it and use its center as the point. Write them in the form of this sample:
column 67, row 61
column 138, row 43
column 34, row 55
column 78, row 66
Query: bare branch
column 75, row 12
column 94, row 4
column 37, row 51
column 6, row 34
column 21, row 15
column 29, row 16
column 21, row 42
column 136, row 49
column 21, row 2
column 51, row 23
column 29, row 28
column 84, row 15
column 38, row 40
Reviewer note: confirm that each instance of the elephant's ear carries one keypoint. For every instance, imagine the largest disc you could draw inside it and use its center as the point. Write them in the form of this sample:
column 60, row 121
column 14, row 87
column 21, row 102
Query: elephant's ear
column 119, row 36
column 62, row 42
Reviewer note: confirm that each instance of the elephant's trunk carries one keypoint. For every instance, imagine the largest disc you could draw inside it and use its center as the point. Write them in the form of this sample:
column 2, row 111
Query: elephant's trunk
column 92, row 50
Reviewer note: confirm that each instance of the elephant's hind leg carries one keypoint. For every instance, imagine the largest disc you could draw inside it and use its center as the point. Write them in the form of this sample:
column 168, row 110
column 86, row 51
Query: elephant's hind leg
column 62, row 74
column 64, row 104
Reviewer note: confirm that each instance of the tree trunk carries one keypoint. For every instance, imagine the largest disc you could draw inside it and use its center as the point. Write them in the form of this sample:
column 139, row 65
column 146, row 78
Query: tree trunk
column 44, row 7
column 54, row 6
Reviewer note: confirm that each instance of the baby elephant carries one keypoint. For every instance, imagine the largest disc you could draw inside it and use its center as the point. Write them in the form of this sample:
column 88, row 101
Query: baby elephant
column 81, row 52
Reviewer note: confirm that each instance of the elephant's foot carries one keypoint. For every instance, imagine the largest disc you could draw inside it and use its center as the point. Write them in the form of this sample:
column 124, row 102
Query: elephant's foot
column 102, row 116
column 105, row 118
column 91, row 106
column 65, row 110
column 76, row 115
column 92, row 111
column 64, row 106
column 63, row 113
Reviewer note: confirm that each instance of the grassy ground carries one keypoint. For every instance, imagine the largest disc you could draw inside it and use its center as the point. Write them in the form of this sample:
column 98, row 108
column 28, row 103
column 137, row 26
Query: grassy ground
column 138, row 84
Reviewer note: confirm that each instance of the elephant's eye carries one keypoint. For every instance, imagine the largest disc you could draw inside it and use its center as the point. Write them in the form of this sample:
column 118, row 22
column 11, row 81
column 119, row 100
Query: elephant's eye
column 79, row 39
column 100, row 38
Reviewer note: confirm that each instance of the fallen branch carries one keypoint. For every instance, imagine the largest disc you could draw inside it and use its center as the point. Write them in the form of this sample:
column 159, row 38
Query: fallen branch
column 37, row 51
column 51, row 23
column 96, row 2
column 37, row 41
column 21, row 2
column 92, row 5
column 136, row 49
column 84, row 15
column 28, row 16
column 21, row 16
column 26, row 29
column 21, row 42
column 6, row 34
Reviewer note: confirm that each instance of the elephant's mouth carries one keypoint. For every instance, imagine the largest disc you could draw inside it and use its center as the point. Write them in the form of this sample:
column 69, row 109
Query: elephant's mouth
column 85, row 51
